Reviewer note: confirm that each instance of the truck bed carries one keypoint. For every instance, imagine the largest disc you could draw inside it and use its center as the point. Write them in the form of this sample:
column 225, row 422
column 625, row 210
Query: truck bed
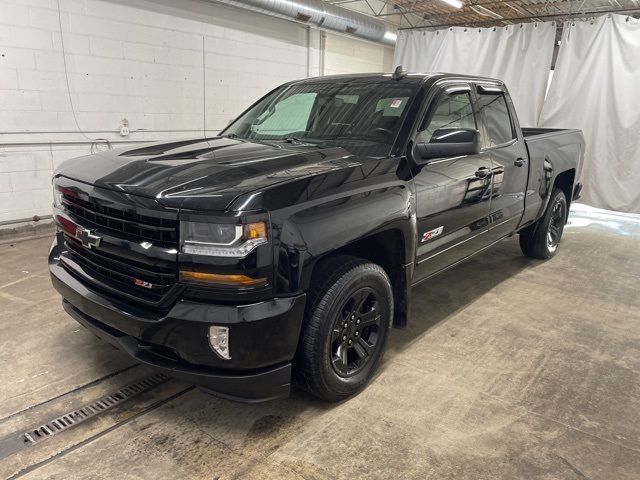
column 563, row 148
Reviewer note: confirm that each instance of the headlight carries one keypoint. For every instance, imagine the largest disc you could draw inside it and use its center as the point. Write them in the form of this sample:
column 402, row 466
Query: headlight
column 222, row 240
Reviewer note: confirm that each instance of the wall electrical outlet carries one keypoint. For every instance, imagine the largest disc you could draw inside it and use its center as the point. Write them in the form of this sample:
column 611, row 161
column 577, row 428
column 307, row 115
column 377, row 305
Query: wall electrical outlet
column 124, row 128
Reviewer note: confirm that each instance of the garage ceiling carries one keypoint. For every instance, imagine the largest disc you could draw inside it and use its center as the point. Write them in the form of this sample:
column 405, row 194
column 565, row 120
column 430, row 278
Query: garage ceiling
column 486, row 13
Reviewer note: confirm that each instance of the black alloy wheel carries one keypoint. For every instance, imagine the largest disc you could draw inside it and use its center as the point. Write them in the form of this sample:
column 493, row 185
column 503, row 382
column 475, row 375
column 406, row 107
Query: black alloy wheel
column 541, row 239
column 355, row 332
column 348, row 314
column 556, row 224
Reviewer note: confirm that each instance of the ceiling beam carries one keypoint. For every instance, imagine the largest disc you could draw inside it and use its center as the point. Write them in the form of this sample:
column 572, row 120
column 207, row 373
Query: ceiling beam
column 493, row 22
column 526, row 7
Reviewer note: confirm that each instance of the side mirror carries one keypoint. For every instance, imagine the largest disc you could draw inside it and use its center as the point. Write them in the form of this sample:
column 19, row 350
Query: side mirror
column 448, row 142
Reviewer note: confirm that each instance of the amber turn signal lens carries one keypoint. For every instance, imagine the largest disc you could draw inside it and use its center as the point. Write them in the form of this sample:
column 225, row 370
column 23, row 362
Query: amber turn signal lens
column 233, row 280
column 255, row 230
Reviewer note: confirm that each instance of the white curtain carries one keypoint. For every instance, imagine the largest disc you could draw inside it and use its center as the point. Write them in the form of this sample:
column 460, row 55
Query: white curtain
column 520, row 55
column 596, row 87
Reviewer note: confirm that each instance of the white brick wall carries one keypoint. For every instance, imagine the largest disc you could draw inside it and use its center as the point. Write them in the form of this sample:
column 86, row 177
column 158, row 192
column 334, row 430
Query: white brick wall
column 349, row 55
column 142, row 60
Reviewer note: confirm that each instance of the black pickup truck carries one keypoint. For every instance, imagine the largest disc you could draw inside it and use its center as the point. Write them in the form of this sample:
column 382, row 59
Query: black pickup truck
column 286, row 247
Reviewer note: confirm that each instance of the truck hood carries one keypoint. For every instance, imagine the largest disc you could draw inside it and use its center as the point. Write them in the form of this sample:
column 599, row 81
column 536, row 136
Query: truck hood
column 217, row 169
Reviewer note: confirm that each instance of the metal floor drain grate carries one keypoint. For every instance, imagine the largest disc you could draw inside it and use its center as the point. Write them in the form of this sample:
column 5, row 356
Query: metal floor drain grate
column 71, row 419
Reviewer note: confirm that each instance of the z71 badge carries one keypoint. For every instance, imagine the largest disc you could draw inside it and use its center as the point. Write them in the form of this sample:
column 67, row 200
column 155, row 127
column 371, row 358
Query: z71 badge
column 432, row 233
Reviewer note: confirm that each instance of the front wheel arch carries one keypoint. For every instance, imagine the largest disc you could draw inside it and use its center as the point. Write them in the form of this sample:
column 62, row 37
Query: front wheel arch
column 391, row 250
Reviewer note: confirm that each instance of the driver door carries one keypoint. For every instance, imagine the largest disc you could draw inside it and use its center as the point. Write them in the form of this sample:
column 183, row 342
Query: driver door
column 453, row 194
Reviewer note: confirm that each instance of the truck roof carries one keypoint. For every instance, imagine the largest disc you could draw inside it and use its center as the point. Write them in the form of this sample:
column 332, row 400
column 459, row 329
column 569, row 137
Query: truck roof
column 409, row 77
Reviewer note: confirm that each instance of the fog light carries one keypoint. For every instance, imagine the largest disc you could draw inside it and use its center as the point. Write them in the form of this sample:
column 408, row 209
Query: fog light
column 219, row 341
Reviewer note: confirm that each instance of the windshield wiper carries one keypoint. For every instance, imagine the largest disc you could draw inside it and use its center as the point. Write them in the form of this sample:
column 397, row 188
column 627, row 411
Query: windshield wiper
column 292, row 140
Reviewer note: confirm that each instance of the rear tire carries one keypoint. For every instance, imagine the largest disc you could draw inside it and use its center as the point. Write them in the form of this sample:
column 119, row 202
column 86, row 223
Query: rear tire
column 349, row 310
column 541, row 239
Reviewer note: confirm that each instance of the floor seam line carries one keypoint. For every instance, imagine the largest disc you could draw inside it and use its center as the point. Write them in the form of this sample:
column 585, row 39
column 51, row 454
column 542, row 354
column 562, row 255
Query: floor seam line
column 530, row 412
column 77, row 389
column 565, row 425
column 98, row 435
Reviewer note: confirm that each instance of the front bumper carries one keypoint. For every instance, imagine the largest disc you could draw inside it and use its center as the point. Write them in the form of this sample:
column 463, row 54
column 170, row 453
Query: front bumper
column 263, row 338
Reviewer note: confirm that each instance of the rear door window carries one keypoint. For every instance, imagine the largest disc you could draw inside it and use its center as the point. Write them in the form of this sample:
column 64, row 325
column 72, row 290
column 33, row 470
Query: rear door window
column 497, row 119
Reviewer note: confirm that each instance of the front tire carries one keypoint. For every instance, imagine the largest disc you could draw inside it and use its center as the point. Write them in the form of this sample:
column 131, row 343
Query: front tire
column 541, row 240
column 350, row 305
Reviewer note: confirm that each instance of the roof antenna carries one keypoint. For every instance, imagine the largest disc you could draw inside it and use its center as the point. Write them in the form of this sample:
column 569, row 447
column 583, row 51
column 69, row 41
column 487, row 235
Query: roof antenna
column 398, row 73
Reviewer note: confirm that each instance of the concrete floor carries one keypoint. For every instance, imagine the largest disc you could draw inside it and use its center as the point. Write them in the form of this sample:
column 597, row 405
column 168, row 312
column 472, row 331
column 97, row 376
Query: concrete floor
column 510, row 368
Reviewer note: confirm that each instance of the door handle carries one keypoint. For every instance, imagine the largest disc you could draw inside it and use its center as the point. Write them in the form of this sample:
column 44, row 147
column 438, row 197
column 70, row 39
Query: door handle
column 519, row 162
column 483, row 172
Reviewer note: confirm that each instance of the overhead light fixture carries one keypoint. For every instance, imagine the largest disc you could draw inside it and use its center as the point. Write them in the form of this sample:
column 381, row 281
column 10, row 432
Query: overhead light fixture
column 454, row 3
column 392, row 36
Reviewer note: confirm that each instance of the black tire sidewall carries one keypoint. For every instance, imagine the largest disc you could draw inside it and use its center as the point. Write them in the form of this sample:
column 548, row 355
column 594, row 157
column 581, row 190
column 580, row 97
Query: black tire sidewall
column 361, row 276
column 533, row 239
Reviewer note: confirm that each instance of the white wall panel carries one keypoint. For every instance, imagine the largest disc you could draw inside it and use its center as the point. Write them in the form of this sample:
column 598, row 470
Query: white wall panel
column 143, row 60
column 349, row 55
column 596, row 88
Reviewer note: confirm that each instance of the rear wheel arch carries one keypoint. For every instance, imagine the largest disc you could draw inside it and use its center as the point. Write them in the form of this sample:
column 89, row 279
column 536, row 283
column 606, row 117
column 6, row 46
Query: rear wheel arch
column 565, row 181
column 556, row 175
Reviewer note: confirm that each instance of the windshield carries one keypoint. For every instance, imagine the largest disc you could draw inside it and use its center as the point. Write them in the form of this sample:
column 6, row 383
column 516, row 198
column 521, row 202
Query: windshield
column 365, row 118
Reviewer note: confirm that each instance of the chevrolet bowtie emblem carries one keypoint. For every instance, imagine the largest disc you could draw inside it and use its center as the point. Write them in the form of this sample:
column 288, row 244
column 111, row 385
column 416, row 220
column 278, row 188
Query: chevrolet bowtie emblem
column 87, row 237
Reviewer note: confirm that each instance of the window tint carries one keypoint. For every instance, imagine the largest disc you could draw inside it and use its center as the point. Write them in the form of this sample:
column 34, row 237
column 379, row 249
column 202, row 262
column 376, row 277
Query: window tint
column 497, row 118
column 453, row 111
column 362, row 118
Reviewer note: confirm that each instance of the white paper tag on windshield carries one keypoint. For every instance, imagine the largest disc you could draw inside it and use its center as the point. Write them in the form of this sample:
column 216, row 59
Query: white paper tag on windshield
column 395, row 103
